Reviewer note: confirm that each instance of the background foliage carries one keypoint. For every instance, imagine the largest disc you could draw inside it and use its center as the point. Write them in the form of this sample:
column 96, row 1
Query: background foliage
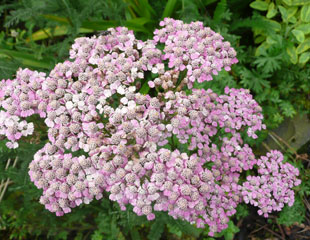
column 272, row 39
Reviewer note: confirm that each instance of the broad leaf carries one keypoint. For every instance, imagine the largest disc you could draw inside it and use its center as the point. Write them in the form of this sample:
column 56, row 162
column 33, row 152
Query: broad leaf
column 259, row 5
column 296, row 2
column 284, row 13
column 291, row 51
column 303, row 46
column 272, row 11
column 305, row 13
column 305, row 28
column 304, row 57
column 299, row 35
column 291, row 11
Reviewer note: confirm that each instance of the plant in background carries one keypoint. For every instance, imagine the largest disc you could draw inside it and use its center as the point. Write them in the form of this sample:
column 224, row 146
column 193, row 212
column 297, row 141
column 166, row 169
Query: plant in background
column 119, row 121
column 278, row 72
column 294, row 28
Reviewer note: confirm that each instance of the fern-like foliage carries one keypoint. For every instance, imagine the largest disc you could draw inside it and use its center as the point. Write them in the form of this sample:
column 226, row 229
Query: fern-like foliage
column 255, row 79
column 268, row 63
column 257, row 22
column 221, row 11
column 291, row 215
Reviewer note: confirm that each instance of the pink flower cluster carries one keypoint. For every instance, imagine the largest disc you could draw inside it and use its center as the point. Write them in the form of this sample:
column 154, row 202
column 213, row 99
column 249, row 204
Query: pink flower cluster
column 272, row 188
column 194, row 48
column 19, row 99
column 67, row 181
column 169, row 151
column 13, row 128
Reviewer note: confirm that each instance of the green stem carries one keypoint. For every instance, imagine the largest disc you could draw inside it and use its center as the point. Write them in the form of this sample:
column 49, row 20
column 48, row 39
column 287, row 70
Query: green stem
column 182, row 75
column 172, row 143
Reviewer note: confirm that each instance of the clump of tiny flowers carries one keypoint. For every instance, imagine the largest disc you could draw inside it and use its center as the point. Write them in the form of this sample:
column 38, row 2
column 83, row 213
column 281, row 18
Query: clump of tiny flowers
column 19, row 99
column 195, row 49
column 170, row 151
column 273, row 187
column 13, row 128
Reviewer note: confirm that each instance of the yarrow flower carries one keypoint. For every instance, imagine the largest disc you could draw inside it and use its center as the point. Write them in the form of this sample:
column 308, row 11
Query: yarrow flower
column 168, row 150
column 272, row 188
column 195, row 49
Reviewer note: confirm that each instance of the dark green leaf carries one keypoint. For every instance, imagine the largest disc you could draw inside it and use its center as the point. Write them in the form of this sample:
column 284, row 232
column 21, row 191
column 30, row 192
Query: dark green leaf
column 220, row 10
column 156, row 230
column 169, row 8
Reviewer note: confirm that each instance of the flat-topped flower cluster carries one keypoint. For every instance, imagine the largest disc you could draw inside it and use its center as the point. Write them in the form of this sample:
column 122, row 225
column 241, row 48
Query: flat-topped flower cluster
column 163, row 150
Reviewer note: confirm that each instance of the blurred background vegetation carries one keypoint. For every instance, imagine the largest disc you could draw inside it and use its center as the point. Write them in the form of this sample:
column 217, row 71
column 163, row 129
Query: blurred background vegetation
column 272, row 39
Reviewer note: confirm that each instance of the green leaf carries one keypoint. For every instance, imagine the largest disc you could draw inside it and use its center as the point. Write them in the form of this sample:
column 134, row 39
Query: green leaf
column 145, row 88
column 295, row 2
column 275, row 25
column 259, row 5
column 277, row 118
column 259, row 39
column 304, row 57
column 189, row 229
column 290, row 215
column 272, row 11
column 287, row 2
column 284, row 13
column 299, row 35
column 303, row 46
column 229, row 232
column 292, row 19
column 156, row 230
column 27, row 59
column 169, row 8
column 268, row 63
column 135, row 234
column 261, row 49
column 291, row 11
column 142, row 8
column 270, row 40
column 305, row 13
column 174, row 229
column 242, row 211
column 140, row 21
column 220, row 10
column 287, row 109
column 87, row 27
column 56, row 18
column 258, row 22
column 305, row 28
column 291, row 51
column 254, row 80
column 7, row 69
column 137, row 24
column 99, row 24
column 54, row 32
column 147, row 7
column 208, row 2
